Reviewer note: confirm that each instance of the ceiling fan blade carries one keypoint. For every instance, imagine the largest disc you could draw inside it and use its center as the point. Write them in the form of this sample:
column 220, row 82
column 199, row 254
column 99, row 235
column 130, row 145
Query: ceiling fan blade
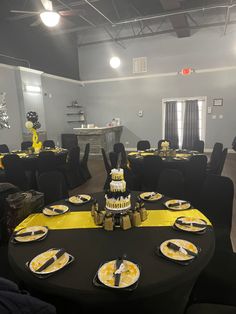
column 36, row 23
column 70, row 12
column 47, row 4
column 24, row 12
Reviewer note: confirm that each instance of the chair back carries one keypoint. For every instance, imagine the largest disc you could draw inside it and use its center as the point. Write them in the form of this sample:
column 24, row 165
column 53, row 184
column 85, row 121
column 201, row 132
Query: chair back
column 53, row 185
column 69, row 141
column 215, row 157
column 46, row 162
column 14, row 171
column 222, row 161
column 86, row 154
column 171, row 183
column 113, row 156
column 74, row 157
column 151, row 168
column 143, row 145
column 119, row 148
column 4, row 149
column 161, row 141
column 194, row 175
column 49, row 143
column 26, row 145
column 106, row 162
column 199, row 146
column 234, row 144
column 216, row 202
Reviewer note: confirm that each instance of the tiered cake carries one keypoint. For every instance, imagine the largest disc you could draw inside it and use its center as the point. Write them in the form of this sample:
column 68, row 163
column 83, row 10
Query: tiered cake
column 117, row 197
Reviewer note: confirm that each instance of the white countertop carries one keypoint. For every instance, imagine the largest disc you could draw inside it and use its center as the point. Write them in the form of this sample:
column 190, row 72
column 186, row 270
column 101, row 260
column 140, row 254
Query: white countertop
column 98, row 128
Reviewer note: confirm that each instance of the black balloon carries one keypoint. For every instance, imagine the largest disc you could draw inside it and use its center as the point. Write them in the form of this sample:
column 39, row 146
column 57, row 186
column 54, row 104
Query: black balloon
column 32, row 116
column 37, row 125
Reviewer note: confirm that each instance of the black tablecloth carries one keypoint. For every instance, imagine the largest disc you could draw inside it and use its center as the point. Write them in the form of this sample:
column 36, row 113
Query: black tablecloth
column 162, row 282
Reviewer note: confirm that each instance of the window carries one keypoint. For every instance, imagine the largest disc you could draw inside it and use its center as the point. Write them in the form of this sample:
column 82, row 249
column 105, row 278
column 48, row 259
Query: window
column 180, row 116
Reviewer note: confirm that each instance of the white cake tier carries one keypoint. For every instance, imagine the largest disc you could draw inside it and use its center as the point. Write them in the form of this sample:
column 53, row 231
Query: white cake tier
column 117, row 174
column 118, row 186
column 121, row 203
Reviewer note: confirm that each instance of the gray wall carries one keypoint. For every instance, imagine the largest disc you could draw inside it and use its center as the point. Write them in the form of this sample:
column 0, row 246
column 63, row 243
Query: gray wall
column 205, row 49
column 13, row 136
column 57, row 95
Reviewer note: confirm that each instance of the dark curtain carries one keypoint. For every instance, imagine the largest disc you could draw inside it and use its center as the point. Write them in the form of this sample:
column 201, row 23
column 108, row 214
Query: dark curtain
column 171, row 128
column 191, row 124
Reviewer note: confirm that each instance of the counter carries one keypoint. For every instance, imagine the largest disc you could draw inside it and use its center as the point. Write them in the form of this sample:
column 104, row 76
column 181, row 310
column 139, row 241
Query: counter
column 98, row 137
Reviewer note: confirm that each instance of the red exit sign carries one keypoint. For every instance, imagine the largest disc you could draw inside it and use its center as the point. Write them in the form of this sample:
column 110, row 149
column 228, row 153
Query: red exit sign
column 186, row 71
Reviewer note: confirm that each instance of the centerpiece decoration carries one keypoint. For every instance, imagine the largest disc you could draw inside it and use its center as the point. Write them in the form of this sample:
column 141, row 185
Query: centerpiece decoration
column 32, row 124
column 165, row 146
column 118, row 211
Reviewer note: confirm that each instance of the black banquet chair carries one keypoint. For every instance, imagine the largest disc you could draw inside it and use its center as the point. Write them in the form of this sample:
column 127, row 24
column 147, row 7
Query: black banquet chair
column 69, row 141
column 222, row 162
column 143, row 145
column 4, row 149
column 53, row 185
column 234, row 144
column 215, row 157
column 84, row 163
column 199, row 146
column 194, row 176
column 171, row 183
column 72, row 169
column 161, row 141
column 26, row 145
column 15, row 172
column 149, row 173
column 120, row 148
column 47, row 161
column 49, row 143
column 107, row 168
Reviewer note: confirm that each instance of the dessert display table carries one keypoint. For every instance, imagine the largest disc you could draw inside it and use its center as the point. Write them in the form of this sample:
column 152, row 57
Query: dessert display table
column 104, row 137
column 164, row 286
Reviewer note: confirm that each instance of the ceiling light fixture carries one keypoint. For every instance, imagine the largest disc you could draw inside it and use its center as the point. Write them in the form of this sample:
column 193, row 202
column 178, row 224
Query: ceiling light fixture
column 115, row 62
column 50, row 18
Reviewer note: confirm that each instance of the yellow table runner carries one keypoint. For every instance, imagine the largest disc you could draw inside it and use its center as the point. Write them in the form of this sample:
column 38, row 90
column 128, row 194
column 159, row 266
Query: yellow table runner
column 81, row 220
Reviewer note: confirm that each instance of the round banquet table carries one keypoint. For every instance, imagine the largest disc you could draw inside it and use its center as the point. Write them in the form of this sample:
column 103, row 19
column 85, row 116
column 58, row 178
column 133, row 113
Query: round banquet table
column 164, row 286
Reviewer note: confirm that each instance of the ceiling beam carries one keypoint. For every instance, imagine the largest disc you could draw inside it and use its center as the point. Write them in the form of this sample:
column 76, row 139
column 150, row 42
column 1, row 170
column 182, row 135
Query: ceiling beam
column 168, row 31
column 179, row 22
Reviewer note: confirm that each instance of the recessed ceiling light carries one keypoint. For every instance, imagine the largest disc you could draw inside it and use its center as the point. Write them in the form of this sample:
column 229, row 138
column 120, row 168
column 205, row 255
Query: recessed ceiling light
column 115, row 62
column 50, row 18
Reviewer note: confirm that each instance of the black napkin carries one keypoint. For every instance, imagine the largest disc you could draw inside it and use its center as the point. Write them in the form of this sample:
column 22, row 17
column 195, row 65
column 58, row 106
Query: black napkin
column 119, row 261
column 82, row 198
column 178, row 204
column 175, row 247
column 29, row 233
column 56, row 210
column 194, row 224
column 51, row 260
column 149, row 196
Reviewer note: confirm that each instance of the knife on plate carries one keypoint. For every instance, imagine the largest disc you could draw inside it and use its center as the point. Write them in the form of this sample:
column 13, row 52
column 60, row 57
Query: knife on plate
column 190, row 224
column 181, row 249
column 51, row 260
column 29, row 233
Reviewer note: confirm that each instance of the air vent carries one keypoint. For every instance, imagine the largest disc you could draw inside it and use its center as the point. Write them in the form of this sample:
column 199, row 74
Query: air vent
column 139, row 65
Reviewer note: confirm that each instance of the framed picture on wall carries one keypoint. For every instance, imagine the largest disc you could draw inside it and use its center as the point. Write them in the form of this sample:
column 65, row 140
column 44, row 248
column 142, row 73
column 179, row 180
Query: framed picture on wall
column 218, row 102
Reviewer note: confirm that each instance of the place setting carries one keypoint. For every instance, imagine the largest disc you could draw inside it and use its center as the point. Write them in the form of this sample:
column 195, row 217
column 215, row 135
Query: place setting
column 178, row 251
column 190, row 224
column 121, row 274
column 150, row 196
column 30, row 234
column 79, row 199
column 49, row 262
column 55, row 210
column 175, row 204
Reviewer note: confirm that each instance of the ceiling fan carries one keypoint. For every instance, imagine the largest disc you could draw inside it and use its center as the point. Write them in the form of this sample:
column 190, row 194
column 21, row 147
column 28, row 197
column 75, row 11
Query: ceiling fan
column 48, row 16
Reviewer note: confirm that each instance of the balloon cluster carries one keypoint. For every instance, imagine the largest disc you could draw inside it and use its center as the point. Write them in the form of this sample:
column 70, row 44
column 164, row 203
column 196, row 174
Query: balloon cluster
column 32, row 120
